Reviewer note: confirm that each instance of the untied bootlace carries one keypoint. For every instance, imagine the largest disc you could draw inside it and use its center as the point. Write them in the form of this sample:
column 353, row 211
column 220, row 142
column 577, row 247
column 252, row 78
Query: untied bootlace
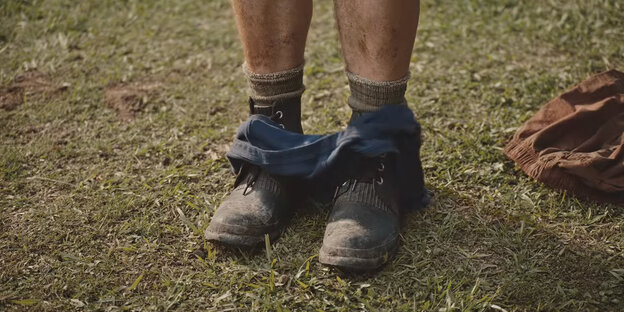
column 276, row 116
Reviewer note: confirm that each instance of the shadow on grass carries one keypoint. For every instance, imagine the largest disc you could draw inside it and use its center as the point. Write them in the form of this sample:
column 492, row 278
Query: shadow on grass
column 521, row 258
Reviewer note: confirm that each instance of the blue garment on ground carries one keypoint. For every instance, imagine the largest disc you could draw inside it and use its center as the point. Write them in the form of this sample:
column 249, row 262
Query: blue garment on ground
column 392, row 129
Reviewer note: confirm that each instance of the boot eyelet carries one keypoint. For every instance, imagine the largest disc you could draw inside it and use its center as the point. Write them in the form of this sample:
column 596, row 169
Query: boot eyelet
column 279, row 114
column 381, row 167
column 282, row 126
column 379, row 181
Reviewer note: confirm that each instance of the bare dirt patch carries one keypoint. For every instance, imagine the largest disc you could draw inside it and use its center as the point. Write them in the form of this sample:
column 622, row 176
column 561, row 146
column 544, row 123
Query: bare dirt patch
column 29, row 83
column 129, row 99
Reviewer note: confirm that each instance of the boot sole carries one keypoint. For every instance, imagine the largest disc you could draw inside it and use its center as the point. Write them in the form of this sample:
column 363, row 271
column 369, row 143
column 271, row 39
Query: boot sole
column 357, row 264
column 239, row 240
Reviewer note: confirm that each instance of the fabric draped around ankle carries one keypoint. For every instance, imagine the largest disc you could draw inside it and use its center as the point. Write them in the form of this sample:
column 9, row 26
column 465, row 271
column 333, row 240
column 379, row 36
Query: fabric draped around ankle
column 392, row 129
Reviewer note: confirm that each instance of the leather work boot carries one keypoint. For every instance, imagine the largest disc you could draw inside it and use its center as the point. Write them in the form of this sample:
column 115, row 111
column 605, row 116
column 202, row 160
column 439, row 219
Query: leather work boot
column 364, row 225
column 261, row 203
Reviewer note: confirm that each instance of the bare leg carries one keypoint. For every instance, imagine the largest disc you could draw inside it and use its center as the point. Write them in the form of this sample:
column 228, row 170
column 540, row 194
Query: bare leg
column 273, row 32
column 377, row 36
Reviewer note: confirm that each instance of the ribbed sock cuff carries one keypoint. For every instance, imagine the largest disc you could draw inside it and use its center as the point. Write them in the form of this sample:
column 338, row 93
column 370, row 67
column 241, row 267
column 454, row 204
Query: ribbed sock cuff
column 268, row 88
column 369, row 96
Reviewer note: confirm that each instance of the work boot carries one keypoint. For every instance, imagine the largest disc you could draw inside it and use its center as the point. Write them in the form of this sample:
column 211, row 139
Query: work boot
column 363, row 229
column 261, row 203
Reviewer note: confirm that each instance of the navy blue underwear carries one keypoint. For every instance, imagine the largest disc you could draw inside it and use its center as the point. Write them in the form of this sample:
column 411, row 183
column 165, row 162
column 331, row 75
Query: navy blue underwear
column 391, row 130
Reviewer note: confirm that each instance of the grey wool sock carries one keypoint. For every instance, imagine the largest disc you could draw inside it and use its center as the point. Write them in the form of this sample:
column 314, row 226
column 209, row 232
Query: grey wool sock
column 369, row 96
column 268, row 88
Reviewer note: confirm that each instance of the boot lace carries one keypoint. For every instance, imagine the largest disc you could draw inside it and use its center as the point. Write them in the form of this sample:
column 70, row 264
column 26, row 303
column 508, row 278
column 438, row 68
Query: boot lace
column 247, row 174
column 366, row 175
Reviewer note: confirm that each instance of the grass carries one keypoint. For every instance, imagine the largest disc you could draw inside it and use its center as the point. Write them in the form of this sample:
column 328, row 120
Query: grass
column 116, row 116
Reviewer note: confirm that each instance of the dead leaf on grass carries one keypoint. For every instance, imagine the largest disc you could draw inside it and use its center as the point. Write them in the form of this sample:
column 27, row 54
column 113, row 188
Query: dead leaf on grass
column 216, row 151
column 129, row 99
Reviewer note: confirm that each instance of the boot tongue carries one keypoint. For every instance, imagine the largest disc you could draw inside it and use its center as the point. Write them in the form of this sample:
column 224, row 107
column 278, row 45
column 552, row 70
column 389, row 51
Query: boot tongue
column 365, row 169
column 287, row 113
column 367, row 185
column 255, row 109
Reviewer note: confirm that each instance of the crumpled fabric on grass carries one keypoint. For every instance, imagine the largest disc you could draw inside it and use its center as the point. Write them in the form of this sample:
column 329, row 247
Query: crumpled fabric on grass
column 327, row 158
column 576, row 141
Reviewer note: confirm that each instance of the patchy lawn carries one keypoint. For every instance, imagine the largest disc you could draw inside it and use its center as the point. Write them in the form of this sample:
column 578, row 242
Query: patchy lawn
column 115, row 117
